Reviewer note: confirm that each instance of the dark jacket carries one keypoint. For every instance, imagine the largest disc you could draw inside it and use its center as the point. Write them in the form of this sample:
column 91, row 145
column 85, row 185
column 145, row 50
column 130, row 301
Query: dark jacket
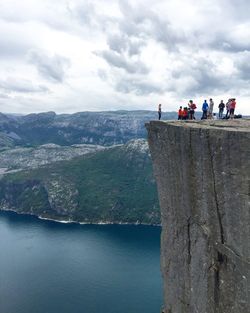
column 221, row 106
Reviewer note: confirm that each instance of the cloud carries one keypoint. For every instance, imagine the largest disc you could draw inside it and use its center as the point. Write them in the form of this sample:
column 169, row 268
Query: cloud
column 12, row 84
column 118, row 42
column 138, row 87
column 15, row 41
column 124, row 50
column 242, row 64
column 102, row 74
column 145, row 23
column 232, row 40
column 4, row 96
column 198, row 76
column 13, row 47
column 122, row 43
column 122, row 62
column 51, row 67
column 239, row 37
column 83, row 11
column 36, row 11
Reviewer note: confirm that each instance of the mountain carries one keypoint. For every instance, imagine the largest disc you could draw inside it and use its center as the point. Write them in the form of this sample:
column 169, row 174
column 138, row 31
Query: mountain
column 6, row 141
column 20, row 158
column 100, row 128
column 82, row 167
column 113, row 185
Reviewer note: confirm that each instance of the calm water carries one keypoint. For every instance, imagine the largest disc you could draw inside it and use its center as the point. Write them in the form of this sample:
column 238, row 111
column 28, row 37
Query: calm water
column 47, row 267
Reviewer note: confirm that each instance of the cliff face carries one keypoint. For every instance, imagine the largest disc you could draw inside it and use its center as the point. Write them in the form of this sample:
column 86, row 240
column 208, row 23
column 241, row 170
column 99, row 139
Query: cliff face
column 202, row 171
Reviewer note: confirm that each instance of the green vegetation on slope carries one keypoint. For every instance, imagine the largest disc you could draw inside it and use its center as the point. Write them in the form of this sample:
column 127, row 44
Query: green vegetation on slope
column 114, row 185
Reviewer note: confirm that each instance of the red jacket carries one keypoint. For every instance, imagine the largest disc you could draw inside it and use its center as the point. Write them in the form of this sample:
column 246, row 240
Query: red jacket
column 185, row 113
column 232, row 104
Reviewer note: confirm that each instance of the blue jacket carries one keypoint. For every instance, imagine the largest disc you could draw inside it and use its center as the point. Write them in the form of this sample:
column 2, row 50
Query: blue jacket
column 204, row 106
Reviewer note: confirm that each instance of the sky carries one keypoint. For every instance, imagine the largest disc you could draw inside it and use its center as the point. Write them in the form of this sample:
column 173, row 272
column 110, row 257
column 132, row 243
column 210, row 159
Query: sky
column 78, row 55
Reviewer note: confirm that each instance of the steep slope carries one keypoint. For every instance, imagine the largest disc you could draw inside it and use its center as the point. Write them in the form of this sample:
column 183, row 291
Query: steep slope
column 115, row 186
column 6, row 141
column 203, row 172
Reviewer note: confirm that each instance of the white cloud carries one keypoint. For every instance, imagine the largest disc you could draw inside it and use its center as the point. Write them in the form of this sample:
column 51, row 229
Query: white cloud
column 14, row 85
column 75, row 55
column 51, row 67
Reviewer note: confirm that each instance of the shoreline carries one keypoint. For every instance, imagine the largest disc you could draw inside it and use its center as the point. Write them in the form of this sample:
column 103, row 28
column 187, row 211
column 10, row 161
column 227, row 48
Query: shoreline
column 77, row 222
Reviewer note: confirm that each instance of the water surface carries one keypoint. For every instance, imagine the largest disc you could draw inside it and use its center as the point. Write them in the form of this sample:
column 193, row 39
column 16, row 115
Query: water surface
column 48, row 267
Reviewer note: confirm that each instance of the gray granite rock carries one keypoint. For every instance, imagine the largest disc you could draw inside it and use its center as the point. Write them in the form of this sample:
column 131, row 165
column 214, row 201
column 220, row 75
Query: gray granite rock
column 203, row 176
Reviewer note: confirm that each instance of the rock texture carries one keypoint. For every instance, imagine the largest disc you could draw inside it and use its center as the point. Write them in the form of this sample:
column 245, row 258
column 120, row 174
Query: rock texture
column 203, row 176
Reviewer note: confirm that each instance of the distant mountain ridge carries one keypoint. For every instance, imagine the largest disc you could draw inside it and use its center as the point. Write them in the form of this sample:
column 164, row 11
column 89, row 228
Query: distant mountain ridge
column 100, row 128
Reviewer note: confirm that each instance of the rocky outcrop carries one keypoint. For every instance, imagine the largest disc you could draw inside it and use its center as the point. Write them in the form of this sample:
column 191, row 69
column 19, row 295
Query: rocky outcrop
column 202, row 171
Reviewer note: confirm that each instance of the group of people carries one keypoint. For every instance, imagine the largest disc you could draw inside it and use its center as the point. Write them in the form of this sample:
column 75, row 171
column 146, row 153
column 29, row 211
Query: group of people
column 230, row 108
column 188, row 112
column 207, row 109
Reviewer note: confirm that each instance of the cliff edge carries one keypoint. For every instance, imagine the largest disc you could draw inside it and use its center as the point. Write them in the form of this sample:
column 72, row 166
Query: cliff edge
column 202, row 171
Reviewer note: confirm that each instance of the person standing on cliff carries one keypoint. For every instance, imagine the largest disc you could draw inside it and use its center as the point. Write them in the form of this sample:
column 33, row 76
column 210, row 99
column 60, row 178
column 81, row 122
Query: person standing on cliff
column 211, row 108
column 228, row 108
column 204, row 110
column 180, row 114
column 185, row 113
column 221, row 109
column 192, row 107
column 159, row 112
column 232, row 107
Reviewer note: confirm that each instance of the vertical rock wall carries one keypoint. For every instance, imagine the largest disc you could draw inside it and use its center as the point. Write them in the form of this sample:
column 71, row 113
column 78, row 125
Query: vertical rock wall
column 202, row 171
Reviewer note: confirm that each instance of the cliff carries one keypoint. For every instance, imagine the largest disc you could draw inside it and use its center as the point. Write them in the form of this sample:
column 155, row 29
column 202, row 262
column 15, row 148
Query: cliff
column 202, row 171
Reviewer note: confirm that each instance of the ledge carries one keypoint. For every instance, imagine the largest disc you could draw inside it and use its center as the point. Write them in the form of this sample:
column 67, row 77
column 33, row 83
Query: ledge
column 239, row 125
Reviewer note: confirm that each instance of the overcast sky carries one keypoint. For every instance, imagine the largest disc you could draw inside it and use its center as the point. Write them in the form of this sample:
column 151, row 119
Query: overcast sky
column 77, row 55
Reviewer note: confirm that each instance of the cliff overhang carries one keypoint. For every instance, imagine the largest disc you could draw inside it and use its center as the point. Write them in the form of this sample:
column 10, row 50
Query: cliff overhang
column 202, row 171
